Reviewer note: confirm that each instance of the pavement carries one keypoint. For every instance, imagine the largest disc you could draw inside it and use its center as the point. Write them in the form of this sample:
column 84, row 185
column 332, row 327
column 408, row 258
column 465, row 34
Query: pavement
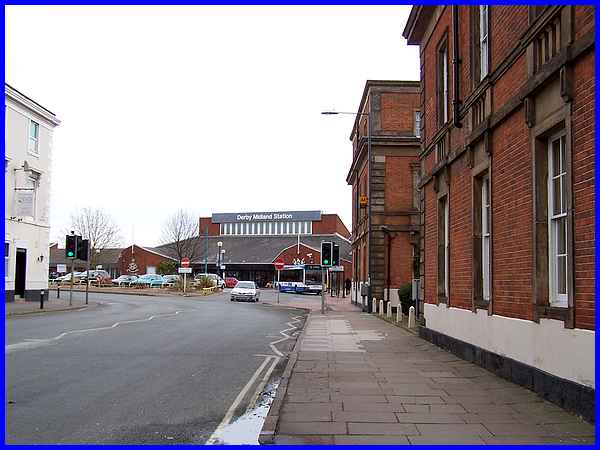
column 138, row 369
column 18, row 308
column 354, row 378
column 310, row 302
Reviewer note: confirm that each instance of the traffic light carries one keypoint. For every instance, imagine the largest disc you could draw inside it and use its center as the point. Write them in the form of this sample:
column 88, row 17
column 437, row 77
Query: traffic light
column 83, row 246
column 335, row 258
column 326, row 253
column 71, row 246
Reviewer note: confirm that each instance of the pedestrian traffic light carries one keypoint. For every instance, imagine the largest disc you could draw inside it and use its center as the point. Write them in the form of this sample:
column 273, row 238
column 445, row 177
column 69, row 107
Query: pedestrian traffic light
column 326, row 253
column 335, row 257
column 71, row 246
column 83, row 246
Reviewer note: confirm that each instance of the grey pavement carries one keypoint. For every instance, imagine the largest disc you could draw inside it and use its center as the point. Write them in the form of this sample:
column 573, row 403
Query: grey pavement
column 22, row 307
column 136, row 369
column 356, row 379
column 311, row 302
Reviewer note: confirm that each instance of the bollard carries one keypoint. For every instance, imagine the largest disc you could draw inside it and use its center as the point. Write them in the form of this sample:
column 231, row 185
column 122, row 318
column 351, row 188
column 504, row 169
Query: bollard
column 374, row 305
column 42, row 293
column 389, row 310
column 411, row 317
column 58, row 291
column 381, row 311
column 399, row 313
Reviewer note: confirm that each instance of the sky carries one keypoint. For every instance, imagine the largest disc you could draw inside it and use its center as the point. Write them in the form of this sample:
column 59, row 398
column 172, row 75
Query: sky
column 209, row 109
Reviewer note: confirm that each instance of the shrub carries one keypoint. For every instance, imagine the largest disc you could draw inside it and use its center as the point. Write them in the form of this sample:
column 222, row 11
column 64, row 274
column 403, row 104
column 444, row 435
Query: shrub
column 204, row 282
column 405, row 294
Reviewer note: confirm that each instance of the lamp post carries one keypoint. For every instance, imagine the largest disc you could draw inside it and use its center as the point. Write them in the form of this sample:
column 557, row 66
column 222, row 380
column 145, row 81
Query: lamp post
column 369, row 227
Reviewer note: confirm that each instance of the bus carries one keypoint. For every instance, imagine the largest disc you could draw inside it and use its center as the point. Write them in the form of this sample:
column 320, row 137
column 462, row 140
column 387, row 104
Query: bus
column 302, row 278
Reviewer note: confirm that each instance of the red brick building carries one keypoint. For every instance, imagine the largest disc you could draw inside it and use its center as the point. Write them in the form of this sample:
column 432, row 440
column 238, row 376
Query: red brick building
column 393, row 243
column 507, row 176
column 136, row 260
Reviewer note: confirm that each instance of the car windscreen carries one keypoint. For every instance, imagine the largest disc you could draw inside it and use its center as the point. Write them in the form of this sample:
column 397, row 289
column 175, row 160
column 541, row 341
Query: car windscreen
column 245, row 285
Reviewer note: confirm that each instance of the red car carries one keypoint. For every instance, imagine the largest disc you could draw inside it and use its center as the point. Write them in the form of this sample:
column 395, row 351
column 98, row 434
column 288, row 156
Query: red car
column 230, row 282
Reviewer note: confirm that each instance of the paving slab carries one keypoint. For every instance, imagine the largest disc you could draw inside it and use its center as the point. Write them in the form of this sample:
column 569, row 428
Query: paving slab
column 361, row 380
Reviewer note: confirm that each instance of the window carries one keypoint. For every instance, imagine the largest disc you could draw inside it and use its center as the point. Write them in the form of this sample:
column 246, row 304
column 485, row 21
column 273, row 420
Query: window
column 34, row 134
column 442, row 84
column 443, row 248
column 309, row 227
column 417, row 130
column 6, row 258
column 485, row 237
column 557, row 222
column 483, row 40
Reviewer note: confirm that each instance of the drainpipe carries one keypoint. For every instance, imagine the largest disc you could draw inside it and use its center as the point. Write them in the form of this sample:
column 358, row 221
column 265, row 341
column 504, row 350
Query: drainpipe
column 386, row 230
column 455, row 65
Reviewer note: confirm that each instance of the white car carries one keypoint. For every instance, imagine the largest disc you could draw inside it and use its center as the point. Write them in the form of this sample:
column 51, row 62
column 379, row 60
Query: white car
column 245, row 291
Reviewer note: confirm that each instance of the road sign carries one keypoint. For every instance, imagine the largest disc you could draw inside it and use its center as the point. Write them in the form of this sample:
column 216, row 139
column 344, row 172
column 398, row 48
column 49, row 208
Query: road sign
column 61, row 268
column 185, row 262
column 185, row 270
column 279, row 264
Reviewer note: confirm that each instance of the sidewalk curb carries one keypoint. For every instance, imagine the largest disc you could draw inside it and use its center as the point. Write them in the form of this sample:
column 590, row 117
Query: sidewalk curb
column 141, row 294
column 46, row 311
column 267, row 433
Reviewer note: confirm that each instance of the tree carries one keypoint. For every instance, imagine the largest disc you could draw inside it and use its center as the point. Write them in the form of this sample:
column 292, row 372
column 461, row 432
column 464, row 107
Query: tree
column 97, row 226
column 166, row 268
column 180, row 233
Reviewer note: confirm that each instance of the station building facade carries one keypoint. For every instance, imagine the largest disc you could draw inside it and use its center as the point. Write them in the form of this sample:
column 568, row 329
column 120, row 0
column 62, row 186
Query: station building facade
column 252, row 241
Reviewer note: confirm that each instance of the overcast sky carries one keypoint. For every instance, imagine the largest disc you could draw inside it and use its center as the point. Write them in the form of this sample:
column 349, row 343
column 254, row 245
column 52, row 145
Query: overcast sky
column 211, row 109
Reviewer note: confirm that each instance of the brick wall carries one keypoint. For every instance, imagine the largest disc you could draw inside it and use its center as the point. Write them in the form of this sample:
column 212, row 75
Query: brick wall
column 213, row 228
column 143, row 259
column 511, row 170
column 330, row 224
column 512, row 219
column 583, row 188
column 399, row 184
column 397, row 111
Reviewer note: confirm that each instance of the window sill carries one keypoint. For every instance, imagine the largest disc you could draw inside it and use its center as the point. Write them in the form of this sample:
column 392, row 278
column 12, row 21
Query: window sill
column 37, row 155
column 552, row 312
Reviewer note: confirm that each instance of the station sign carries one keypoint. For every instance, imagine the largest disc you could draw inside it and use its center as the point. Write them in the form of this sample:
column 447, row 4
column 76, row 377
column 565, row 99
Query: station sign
column 293, row 216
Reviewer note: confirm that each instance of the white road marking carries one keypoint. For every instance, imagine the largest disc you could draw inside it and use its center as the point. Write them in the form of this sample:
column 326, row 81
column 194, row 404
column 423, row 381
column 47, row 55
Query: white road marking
column 33, row 343
column 213, row 439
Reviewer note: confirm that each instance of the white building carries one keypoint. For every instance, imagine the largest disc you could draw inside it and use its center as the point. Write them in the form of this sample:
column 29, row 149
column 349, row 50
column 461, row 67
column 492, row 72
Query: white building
column 28, row 129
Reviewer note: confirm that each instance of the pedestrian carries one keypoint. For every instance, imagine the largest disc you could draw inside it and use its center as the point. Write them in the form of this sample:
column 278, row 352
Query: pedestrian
column 348, row 286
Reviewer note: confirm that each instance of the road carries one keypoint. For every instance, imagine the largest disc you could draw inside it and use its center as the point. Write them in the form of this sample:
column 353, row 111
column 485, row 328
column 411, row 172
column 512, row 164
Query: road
column 139, row 369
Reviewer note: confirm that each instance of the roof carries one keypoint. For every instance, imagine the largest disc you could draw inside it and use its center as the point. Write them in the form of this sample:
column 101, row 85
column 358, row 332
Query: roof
column 28, row 102
column 417, row 23
column 106, row 256
column 258, row 249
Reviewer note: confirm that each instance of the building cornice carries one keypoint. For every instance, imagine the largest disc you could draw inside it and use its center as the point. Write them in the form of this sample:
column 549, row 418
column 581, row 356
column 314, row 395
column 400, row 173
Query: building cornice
column 23, row 100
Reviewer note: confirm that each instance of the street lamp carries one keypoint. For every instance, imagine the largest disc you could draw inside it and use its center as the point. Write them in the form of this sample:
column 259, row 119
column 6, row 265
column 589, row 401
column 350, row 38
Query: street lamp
column 369, row 156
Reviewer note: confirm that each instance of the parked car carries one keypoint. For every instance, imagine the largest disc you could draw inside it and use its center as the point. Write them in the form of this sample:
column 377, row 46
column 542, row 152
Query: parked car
column 145, row 280
column 170, row 280
column 215, row 279
column 230, row 282
column 156, row 282
column 124, row 280
column 67, row 278
column 246, row 291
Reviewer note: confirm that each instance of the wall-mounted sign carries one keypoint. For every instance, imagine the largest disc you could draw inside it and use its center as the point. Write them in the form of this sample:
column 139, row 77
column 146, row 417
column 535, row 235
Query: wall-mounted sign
column 24, row 203
column 281, row 216
column 363, row 201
